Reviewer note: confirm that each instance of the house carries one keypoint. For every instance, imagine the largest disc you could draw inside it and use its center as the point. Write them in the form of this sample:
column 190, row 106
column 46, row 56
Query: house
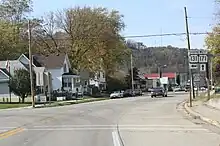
column 7, row 69
column 52, row 72
column 98, row 80
column 58, row 65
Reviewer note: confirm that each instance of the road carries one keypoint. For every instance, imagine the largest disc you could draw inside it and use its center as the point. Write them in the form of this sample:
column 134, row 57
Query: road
column 139, row 121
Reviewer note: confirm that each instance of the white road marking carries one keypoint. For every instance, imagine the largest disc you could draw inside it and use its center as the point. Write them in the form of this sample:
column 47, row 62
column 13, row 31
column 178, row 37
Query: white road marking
column 129, row 129
column 84, row 126
column 7, row 127
column 115, row 138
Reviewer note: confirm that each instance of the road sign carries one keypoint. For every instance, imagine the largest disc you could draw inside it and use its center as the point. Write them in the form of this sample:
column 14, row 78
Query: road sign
column 202, row 67
column 198, row 51
column 203, row 58
column 196, row 77
column 193, row 51
column 203, row 51
column 193, row 58
column 193, row 66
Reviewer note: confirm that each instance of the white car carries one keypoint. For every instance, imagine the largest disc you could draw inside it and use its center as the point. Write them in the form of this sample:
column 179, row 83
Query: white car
column 116, row 94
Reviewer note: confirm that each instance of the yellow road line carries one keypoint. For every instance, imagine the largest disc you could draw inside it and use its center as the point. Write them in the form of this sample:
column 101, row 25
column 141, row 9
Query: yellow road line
column 10, row 132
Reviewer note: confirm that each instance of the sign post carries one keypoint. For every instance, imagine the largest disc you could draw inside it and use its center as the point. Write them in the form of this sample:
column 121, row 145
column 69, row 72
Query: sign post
column 198, row 59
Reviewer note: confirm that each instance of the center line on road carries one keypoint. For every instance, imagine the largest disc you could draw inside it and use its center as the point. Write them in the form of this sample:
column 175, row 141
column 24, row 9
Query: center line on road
column 10, row 132
column 115, row 138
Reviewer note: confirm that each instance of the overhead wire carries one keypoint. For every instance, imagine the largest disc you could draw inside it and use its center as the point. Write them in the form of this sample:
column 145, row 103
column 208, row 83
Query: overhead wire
column 146, row 36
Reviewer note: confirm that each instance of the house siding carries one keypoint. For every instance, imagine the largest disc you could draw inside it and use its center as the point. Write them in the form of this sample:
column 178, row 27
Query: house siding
column 4, row 89
column 56, row 75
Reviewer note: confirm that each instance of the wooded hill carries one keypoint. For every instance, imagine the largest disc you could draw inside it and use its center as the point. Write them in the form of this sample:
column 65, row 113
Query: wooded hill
column 148, row 59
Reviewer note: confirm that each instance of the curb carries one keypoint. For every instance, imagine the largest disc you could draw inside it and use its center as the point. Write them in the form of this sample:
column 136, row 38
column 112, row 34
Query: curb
column 198, row 115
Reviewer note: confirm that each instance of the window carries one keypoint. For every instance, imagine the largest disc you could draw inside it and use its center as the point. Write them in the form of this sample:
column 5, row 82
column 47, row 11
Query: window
column 38, row 78
column 65, row 82
column 103, row 75
column 65, row 68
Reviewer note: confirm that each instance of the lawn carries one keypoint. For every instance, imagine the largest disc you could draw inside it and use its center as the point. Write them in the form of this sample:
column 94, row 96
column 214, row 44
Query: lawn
column 53, row 104
column 6, row 106
column 63, row 103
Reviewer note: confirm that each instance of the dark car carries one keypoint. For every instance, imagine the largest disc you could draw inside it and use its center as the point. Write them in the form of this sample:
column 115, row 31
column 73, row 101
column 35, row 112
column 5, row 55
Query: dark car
column 159, row 91
column 137, row 92
column 128, row 93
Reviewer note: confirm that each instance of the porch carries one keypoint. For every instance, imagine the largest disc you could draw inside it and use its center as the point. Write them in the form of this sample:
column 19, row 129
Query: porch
column 71, row 83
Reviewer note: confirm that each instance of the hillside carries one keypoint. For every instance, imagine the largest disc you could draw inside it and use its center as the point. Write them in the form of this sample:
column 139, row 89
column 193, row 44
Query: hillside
column 150, row 58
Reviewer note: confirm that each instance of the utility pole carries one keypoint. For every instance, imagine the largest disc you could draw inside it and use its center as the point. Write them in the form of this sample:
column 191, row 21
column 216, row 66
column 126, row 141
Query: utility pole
column 132, row 73
column 30, row 64
column 211, row 73
column 188, row 44
column 207, row 77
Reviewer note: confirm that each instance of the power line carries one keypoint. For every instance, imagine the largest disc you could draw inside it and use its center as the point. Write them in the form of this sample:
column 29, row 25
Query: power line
column 166, row 34
column 139, row 36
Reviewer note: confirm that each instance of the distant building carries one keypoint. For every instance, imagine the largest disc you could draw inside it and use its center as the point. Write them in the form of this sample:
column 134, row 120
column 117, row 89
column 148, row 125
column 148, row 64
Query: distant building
column 153, row 78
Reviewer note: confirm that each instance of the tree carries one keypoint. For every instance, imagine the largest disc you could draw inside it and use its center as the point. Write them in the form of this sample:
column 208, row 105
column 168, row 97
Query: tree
column 20, row 83
column 94, row 41
column 15, row 10
column 12, row 19
column 213, row 44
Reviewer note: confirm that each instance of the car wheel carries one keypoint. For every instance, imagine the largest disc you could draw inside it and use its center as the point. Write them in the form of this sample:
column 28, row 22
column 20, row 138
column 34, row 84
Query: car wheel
column 152, row 96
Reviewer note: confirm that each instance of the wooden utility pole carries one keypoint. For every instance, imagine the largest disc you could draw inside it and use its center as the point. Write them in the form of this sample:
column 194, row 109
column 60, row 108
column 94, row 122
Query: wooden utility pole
column 211, row 73
column 188, row 44
column 208, row 78
column 30, row 65
column 132, row 73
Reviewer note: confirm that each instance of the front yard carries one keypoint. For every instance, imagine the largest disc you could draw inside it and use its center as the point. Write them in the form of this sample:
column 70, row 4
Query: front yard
column 13, row 105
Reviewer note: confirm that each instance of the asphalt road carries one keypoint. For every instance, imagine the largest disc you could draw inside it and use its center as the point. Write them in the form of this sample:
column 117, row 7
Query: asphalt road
column 139, row 121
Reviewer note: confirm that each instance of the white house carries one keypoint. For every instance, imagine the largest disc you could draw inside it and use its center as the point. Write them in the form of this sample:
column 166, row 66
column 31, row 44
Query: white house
column 7, row 69
column 54, row 66
column 99, row 80
column 58, row 65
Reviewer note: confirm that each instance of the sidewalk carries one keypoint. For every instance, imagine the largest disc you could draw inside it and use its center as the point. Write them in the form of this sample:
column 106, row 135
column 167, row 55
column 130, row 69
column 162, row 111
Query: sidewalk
column 205, row 112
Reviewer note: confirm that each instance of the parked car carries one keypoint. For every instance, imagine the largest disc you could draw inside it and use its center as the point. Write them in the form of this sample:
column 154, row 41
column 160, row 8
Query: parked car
column 137, row 92
column 159, row 91
column 128, row 93
column 116, row 94
column 177, row 88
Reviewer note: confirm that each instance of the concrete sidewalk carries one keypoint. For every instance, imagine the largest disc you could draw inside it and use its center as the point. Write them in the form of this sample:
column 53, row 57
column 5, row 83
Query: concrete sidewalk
column 205, row 112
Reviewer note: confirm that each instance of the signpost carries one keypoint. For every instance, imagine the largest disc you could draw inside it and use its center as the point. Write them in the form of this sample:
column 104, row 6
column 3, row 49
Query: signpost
column 198, row 59
column 193, row 66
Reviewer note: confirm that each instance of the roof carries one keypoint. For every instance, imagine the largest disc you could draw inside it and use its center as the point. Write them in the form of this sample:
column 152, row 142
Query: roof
column 5, row 71
column 14, row 65
column 49, row 61
column 156, row 75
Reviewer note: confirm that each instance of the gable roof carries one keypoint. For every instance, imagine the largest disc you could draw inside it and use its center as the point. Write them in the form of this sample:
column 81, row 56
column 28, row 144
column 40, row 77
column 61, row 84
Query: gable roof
column 14, row 65
column 5, row 72
column 51, row 61
column 35, row 62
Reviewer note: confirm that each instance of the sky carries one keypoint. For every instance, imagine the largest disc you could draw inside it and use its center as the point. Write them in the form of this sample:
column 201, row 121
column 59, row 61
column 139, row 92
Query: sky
column 146, row 17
